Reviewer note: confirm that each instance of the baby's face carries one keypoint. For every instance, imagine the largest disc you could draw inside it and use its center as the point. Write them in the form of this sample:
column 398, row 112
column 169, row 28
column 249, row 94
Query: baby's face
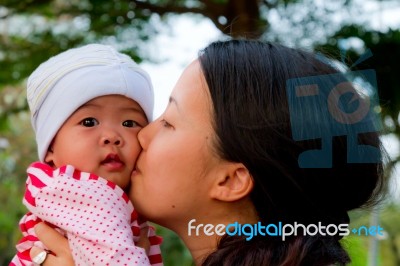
column 101, row 138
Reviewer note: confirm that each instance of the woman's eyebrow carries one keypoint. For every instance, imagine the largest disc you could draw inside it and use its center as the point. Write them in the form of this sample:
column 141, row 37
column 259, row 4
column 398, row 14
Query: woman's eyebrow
column 173, row 100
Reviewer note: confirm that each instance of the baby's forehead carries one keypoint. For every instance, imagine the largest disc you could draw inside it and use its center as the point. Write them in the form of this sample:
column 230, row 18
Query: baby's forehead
column 113, row 101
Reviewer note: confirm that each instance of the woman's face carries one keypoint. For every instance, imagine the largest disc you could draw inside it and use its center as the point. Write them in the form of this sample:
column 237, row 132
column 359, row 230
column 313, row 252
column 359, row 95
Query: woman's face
column 176, row 167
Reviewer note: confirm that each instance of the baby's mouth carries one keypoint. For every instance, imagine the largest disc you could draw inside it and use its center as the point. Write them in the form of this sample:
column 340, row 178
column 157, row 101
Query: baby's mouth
column 113, row 162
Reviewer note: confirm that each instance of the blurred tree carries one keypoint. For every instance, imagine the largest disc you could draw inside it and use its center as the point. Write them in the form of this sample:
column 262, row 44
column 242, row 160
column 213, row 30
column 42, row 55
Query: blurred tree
column 389, row 242
column 390, row 221
column 33, row 30
column 385, row 48
column 17, row 150
column 348, row 45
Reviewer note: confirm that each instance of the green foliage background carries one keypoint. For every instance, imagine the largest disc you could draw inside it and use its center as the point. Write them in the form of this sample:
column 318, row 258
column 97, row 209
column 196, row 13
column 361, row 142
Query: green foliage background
column 33, row 30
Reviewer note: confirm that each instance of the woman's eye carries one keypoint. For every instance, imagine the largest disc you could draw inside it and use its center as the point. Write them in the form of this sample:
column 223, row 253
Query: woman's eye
column 89, row 122
column 165, row 123
column 130, row 123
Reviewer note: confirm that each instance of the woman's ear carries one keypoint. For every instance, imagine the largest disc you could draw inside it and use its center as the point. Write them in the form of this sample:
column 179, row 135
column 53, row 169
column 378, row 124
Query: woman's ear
column 233, row 182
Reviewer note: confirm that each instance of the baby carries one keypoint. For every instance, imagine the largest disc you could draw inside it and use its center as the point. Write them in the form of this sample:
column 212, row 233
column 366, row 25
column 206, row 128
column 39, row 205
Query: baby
column 87, row 106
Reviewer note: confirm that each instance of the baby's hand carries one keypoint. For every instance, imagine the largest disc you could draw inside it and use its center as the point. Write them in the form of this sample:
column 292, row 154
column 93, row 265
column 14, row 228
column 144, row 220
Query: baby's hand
column 144, row 241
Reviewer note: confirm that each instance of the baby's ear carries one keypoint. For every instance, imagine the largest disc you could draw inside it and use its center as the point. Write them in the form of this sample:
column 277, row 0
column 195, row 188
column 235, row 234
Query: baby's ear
column 233, row 182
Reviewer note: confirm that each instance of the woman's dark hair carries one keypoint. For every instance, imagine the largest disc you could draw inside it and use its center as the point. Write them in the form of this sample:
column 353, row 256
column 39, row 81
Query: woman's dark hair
column 263, row 120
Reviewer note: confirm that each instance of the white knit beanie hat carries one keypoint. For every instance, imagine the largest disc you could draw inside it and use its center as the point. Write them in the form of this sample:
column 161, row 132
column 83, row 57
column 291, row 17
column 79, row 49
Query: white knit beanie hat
column 59, row 86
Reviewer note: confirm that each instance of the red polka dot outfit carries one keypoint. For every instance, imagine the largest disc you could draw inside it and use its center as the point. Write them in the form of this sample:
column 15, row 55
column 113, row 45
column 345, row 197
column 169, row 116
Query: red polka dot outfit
column 94, row 214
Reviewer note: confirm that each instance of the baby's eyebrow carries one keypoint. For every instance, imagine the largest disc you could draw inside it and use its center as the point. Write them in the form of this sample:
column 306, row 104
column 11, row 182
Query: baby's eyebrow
column 134, row 109
column 89, row 105
column 122, row 108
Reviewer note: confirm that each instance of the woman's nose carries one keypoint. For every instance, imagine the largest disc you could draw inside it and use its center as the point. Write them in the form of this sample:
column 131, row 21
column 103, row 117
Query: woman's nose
column 145, row 134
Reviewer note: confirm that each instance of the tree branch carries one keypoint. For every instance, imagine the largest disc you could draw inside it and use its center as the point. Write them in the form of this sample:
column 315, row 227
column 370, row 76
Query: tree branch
column 9, row 13
column 210, row 9
column 216, row 8
column 214, row 11
column 269, row 5
column 168, row 8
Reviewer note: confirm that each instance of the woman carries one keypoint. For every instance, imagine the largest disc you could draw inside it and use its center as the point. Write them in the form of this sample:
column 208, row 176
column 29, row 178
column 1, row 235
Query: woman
column 238, row 145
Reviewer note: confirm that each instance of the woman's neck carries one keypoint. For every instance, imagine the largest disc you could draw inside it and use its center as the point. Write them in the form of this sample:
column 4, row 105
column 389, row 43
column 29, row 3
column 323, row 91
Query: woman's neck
column 201, row 235
column 200, row 246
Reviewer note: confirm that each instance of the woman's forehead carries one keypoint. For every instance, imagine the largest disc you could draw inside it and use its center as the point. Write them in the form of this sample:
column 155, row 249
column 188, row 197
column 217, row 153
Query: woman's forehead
column 191, row 96
column 191, row 87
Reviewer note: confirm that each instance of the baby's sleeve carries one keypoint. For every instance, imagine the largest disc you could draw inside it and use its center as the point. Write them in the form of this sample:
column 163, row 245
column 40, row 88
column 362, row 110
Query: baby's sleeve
column 95, row 214
column 37, row 178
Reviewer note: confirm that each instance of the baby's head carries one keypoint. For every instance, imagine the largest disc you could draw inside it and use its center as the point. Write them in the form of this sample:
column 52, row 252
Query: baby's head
column 87, row 105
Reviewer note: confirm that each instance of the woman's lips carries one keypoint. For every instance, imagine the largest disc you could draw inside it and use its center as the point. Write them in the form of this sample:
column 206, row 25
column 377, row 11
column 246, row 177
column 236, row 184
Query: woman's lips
column 134, row 172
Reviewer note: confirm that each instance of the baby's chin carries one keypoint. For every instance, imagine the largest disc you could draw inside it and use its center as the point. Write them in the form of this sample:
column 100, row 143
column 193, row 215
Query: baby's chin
column 119, row 179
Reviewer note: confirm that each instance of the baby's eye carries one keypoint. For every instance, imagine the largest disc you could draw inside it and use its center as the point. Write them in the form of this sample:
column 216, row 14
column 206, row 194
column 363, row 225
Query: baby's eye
column 130, row 123
column 89, row 122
